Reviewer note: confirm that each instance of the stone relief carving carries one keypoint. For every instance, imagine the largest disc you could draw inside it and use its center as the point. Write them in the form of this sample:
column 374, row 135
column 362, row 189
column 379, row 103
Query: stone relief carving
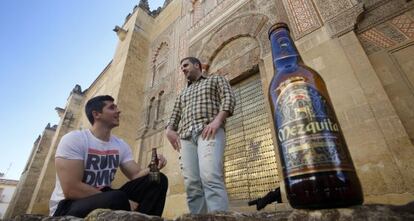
column 388, row 34
column 392, row 31
column 370, row 4
column 381, row 11
column 345, row 21
column 378, row 38
column 302, row 16
column 213, row 13
column 328, row 9
column 405, row 23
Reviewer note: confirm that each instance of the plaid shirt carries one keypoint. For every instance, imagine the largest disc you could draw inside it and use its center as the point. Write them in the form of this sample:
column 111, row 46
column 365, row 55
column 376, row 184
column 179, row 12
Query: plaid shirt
column 199, row 103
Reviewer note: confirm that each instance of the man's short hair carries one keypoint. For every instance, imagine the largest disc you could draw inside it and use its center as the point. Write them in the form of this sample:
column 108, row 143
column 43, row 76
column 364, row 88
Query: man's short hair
column 96, row 104
column 193, row 61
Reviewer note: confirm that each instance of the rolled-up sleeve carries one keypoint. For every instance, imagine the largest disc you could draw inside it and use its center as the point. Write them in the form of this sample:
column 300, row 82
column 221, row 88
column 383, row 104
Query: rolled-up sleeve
column 175, row 115
column 228, row 99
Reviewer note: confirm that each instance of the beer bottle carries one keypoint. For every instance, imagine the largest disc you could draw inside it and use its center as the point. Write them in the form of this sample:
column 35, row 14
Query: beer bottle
column 154, row 172
column 317, row 167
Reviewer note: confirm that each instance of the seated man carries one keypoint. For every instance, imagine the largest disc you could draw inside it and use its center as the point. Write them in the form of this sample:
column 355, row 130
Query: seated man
column 86, row 162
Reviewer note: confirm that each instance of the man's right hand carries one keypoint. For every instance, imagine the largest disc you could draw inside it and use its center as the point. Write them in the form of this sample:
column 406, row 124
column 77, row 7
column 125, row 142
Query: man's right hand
column 174, row 139
column 134, row 205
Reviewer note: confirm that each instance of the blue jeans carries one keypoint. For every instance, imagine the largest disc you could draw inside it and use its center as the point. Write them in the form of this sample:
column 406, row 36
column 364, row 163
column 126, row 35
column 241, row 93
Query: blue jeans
column 202, row 167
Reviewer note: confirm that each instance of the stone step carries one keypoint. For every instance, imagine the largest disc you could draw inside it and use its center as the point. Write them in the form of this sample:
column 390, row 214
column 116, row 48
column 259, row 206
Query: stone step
column 274, row 212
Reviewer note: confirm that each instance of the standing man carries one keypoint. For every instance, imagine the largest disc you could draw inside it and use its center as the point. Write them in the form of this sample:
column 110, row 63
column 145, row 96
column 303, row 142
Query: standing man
column 86, row 162
column 196, row 130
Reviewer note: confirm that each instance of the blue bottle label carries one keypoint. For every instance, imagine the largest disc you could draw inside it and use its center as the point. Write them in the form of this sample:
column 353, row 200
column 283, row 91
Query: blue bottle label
column 307, row 130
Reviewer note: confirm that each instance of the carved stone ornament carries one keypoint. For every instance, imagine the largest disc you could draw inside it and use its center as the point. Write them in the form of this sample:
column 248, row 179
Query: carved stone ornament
column 328, row 9
column 303, row 17
column 346, row 21
column 144, row 5
column 77, row 90
column 120, row 32
column 377, row 13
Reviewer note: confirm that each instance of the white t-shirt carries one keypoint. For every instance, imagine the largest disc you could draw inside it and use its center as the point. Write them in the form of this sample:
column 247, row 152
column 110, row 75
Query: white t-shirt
column 101, row 160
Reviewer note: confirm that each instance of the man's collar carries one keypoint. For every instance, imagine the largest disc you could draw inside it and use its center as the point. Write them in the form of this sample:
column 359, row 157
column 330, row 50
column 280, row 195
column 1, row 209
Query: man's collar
column 201, row 77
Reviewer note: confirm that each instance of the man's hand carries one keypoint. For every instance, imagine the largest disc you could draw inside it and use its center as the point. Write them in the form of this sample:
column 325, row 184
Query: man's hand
column 210, row 130
column 134, row 205
column 161, row 161
column 174, row 139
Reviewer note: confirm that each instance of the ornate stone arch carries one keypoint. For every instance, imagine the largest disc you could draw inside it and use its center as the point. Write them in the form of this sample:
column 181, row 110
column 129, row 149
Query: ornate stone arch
column 236, row 56
column 252, row 25
column 250, row 29
column 159, row 62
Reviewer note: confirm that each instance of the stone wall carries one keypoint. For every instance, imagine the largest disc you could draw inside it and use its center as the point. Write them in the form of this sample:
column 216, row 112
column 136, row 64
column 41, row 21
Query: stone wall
column 389, row 45
column 39, row 201
column 30, row 175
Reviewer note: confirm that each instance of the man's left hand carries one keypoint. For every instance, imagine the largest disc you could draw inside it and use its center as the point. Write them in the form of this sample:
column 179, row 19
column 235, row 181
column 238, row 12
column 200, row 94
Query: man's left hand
column 210, row 130
column 161, row 161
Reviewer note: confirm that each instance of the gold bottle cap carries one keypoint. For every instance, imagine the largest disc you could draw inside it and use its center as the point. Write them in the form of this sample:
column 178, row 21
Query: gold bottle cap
column 276, row 26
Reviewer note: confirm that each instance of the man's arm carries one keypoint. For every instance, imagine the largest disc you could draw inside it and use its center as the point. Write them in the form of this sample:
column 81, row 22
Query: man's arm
column 227, row 97
column 70, row 174
column 171, row 129
column 228, row 102
column 132, row 170
column 174, row 138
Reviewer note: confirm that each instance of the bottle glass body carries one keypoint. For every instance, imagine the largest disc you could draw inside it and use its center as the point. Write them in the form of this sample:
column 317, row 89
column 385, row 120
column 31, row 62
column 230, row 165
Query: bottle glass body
column 154, row 172
column 317, row 167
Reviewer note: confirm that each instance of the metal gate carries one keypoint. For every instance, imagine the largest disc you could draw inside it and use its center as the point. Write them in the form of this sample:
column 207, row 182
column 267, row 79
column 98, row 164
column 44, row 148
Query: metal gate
column 250, row 167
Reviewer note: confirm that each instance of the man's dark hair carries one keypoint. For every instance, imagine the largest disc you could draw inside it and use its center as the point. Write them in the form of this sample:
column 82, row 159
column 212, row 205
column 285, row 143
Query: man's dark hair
column 193, row 61
column 96, row 104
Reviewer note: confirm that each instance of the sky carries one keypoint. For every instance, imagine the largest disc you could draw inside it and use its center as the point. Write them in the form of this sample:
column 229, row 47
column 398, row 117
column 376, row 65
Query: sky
column 46, row 48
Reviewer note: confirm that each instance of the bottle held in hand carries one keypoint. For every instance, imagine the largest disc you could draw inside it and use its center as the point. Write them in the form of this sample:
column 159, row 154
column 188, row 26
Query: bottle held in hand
column 154, row 173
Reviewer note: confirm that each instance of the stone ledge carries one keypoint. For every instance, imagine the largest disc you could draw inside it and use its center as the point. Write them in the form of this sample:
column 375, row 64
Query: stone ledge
column 371, row 212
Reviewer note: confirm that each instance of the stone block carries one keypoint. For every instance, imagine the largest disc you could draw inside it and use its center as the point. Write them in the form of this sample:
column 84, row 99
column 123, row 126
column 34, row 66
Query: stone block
column 370, row 212
column 175, row 206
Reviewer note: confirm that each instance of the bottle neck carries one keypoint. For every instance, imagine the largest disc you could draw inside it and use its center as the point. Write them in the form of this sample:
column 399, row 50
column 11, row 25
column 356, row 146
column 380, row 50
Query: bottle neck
column 154, row 154
column 285, row 56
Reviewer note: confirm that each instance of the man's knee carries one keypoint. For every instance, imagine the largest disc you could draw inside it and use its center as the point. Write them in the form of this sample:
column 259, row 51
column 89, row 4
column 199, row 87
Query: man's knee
column 211, row 177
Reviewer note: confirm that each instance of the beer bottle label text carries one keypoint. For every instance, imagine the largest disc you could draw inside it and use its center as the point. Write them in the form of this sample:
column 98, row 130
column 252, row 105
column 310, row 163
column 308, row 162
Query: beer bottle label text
column 308, row 132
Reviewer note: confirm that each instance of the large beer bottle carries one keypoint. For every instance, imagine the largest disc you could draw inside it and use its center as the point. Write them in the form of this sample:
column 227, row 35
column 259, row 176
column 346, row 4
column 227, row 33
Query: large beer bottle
column 154, row 172
column 317, row 167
